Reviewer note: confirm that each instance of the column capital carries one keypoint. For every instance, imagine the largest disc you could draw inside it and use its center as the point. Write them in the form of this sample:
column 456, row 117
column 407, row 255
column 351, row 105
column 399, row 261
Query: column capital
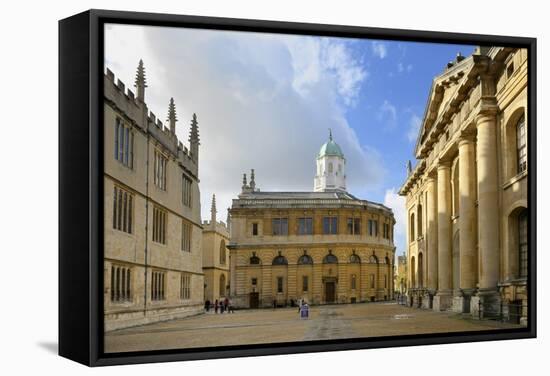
column 487, row 112
column 466, row 138
column 443, row 164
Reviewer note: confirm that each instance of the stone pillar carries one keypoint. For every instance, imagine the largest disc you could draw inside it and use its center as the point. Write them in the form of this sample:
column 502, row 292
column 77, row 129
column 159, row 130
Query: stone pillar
column 488, row 218
column 466, row 217
column 442, row 301
column 431, row 232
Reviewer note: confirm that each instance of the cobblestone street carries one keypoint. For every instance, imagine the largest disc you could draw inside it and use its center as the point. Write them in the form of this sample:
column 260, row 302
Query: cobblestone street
column 284, row 325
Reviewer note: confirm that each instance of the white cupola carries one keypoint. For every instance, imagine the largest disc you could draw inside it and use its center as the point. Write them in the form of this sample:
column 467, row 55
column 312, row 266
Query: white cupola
column 331, row 168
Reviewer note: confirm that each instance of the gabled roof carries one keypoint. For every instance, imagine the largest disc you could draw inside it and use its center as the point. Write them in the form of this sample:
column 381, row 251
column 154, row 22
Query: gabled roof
column 443, row 88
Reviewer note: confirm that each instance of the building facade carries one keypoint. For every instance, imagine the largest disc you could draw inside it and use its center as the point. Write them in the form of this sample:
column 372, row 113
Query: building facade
column 152, row 226
column 324, row 247
column 216, row 258
column 401, row 275
column 467, row 195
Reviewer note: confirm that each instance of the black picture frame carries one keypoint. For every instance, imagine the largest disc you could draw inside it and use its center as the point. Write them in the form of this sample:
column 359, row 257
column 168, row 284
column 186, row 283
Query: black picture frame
column 81, row 190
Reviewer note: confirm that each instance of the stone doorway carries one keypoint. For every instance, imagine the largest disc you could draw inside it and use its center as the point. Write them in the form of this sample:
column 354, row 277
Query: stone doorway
column 254, row 300
column 330, row 292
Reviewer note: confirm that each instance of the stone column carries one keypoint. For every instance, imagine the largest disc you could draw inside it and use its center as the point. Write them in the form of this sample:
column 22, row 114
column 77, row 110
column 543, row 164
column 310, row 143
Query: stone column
column 431, row 232
column 488, row 209
column 466, row 217
column 442, row 301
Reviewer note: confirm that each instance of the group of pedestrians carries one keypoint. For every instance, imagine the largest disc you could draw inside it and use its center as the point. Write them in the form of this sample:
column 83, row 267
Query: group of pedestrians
column 221, row 305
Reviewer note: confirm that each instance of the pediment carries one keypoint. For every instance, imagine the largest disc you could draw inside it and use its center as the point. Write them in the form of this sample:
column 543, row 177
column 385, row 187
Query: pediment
column 443, row 89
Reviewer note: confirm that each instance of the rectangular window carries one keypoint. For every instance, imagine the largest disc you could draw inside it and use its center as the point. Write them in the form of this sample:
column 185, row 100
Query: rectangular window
column 187, row 185
column 280, row 226
column 123, row 202
column 254, row 281
column 386, row 231
column 354, row 226
column 521, row 145
column 280, row 285
column 305, row 284
column 371, row 280
column 330, row 225
column 373, row 227
column 305, row 226
column 185, row 236
column 159, row 170
column 124, row 144
column 254, row 229
column 185, row 286
column 159, row 225
column 353, row 282
column 121, row 284
column 157, row 286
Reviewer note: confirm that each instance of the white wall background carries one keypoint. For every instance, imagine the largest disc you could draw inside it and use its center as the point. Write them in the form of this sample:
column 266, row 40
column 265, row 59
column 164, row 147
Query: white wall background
column 28, row 189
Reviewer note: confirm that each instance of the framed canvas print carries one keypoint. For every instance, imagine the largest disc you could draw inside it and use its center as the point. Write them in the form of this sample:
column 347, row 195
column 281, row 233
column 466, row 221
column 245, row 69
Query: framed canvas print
column 236, row 187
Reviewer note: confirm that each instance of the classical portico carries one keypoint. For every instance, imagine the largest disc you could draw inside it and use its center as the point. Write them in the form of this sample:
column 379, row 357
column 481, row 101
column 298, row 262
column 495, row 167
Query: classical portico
column 468, row 158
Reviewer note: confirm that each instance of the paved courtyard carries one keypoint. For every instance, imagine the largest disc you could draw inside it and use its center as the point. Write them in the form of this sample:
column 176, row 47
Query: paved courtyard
column 284, row 325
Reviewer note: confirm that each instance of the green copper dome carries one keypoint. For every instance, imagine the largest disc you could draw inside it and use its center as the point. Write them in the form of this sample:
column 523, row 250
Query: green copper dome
column 330, row 148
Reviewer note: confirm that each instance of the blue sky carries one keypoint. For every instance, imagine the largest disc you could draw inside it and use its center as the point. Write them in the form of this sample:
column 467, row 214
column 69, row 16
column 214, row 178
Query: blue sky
column 266, row 101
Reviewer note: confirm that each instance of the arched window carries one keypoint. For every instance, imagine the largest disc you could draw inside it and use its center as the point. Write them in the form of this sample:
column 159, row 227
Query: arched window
column 305, row 259
column 521, row 144
column 280, row 260
column 373, row 259
column 419, row 220
column 330, row 259
column 354, row 259
column 412, row 228
column 222, row 252
column 254, row 260
column 523, row 249
column 222, row 285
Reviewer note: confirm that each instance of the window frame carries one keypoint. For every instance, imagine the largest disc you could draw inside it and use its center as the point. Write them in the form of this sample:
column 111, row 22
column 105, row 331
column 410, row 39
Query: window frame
column 330, row 225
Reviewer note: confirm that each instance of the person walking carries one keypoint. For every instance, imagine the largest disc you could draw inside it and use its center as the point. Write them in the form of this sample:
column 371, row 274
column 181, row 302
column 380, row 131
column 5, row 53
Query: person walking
column 207, row 305
column 216, row 306
column 304, row 311
column 226, row 304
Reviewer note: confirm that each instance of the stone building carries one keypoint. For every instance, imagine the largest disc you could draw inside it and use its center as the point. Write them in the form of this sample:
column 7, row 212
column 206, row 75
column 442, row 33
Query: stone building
column 325, row 246
column 401, row 276
column 152, row 225
column 216, row 259
column 467, row 196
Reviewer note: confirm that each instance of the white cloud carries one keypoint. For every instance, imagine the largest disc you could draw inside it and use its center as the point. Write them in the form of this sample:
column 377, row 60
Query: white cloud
column 379, row 49
column 414, row 128
column 398, row 205
column 388, row 114
column 315, row 59
column 263, row 101
column 404, row 68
